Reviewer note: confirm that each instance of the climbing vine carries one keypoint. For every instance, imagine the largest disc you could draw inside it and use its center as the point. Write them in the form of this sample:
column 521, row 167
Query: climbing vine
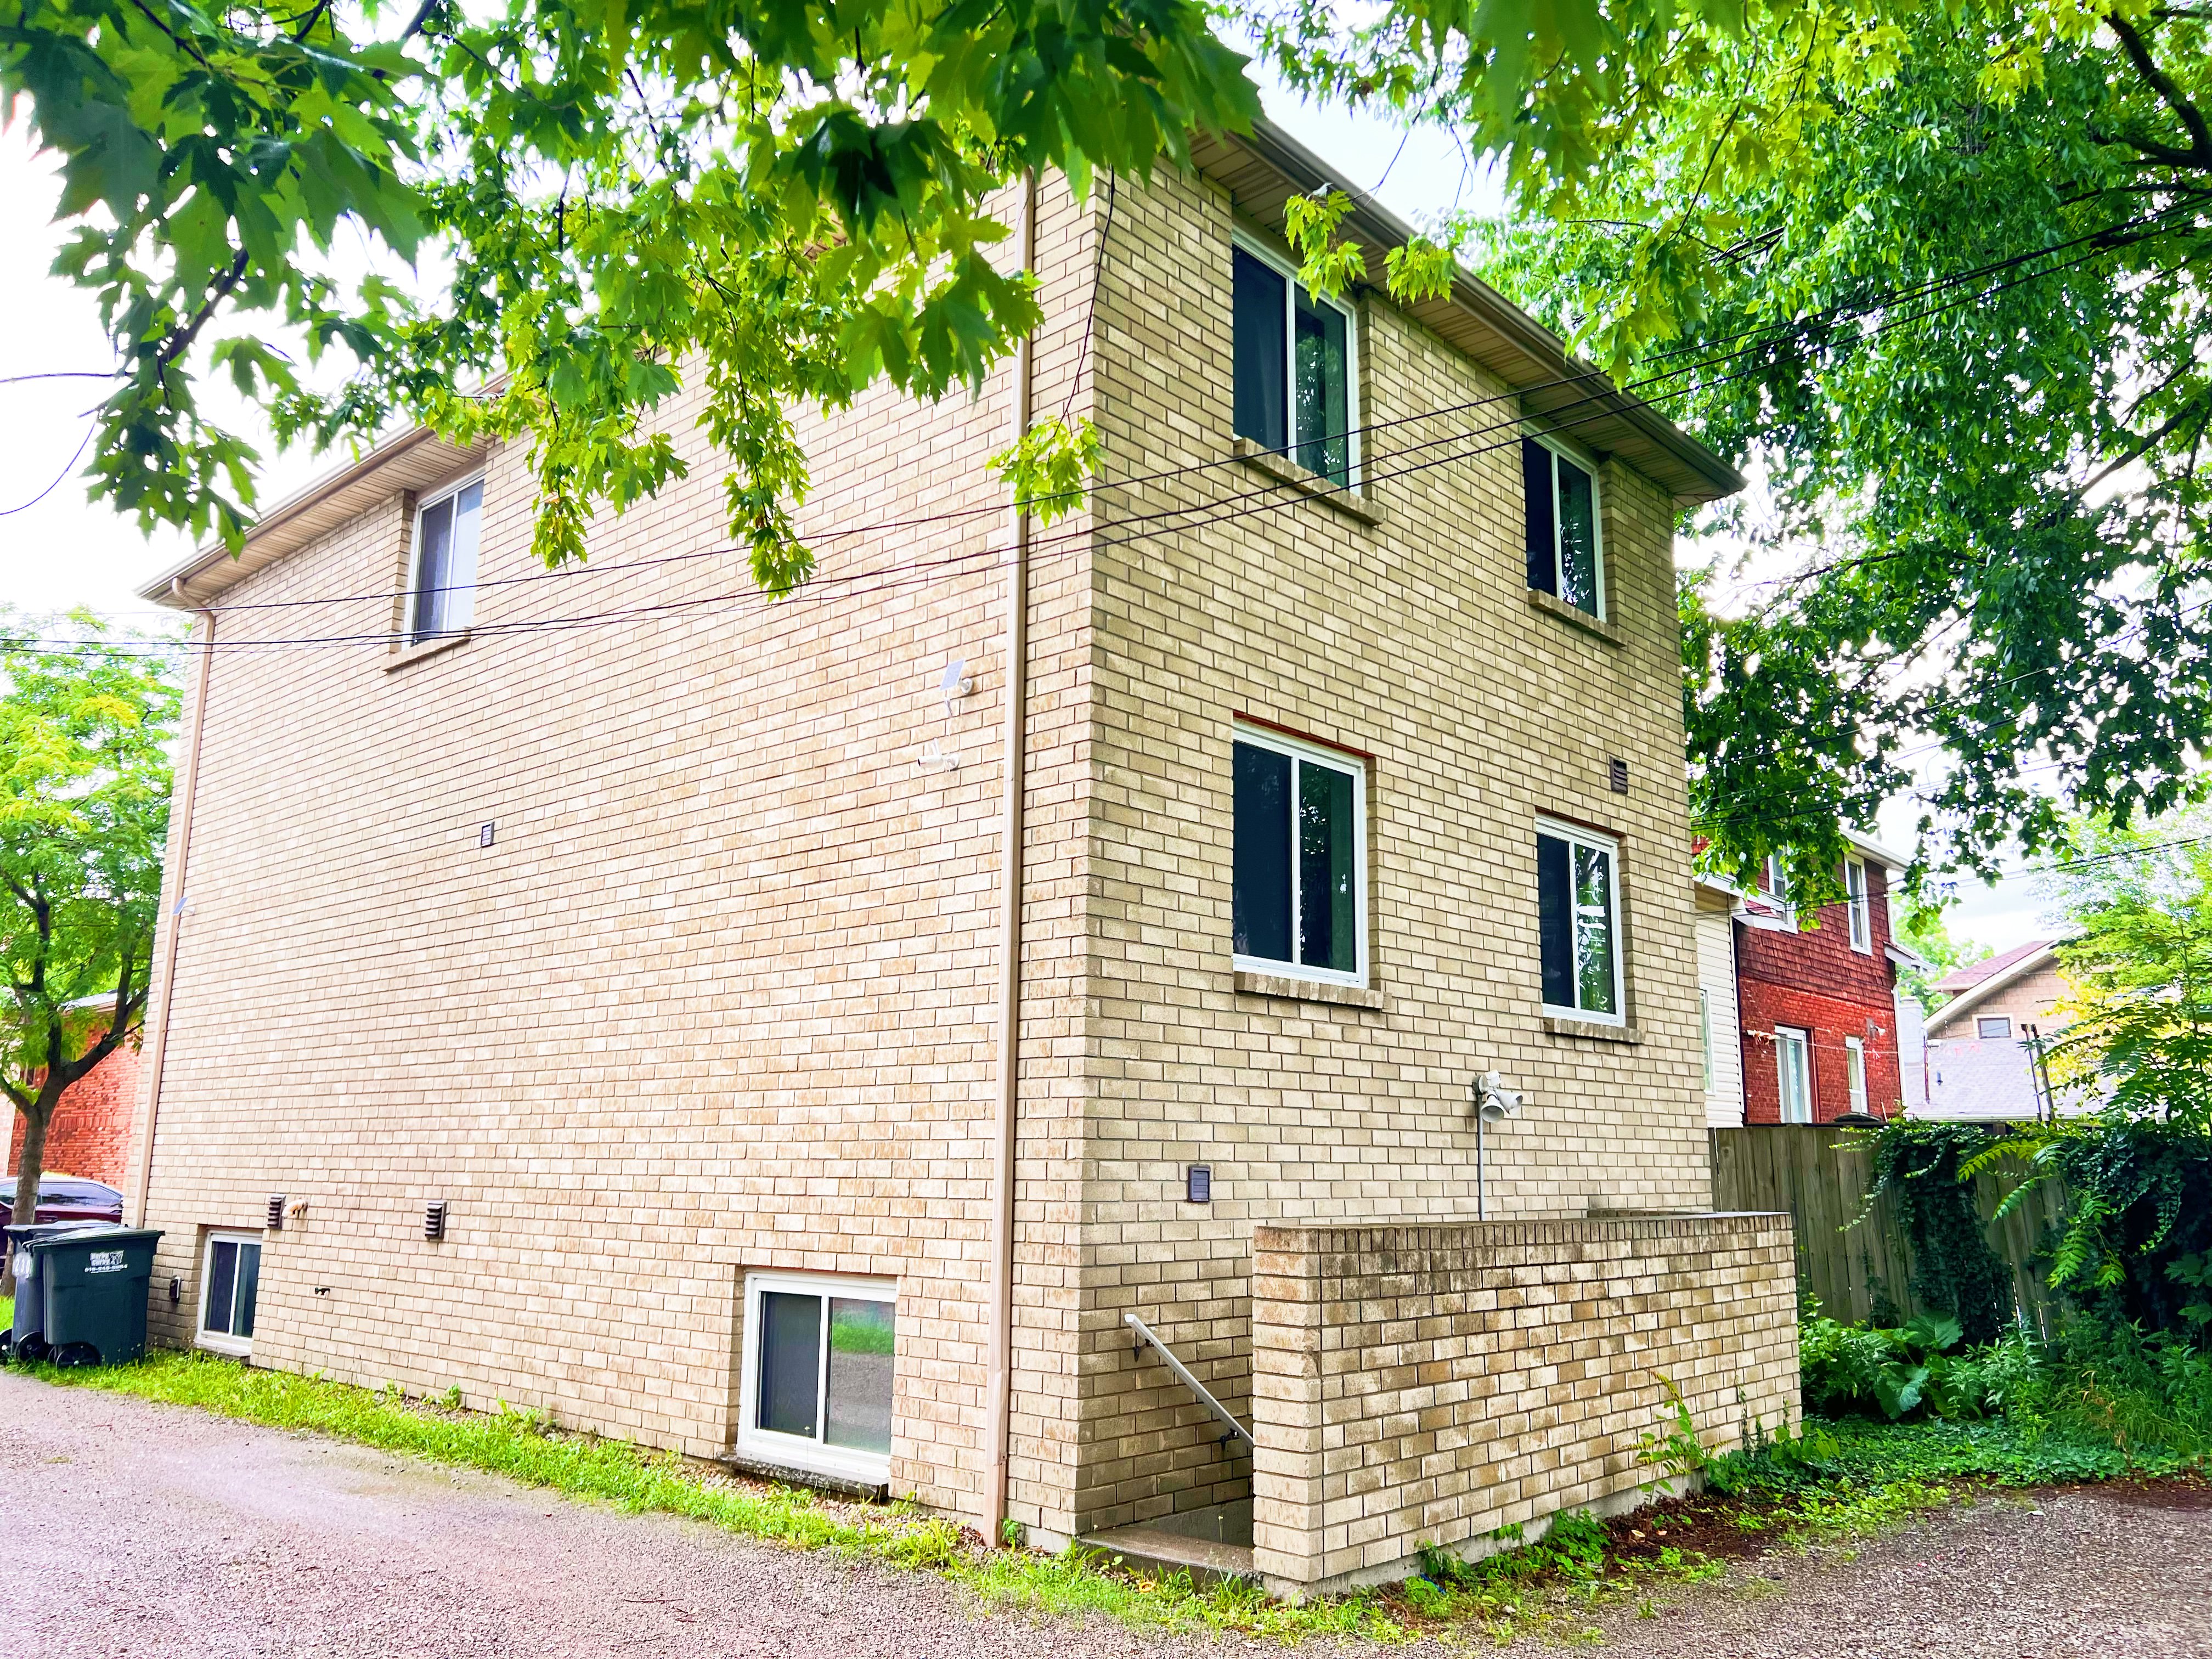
column 1918, row 1168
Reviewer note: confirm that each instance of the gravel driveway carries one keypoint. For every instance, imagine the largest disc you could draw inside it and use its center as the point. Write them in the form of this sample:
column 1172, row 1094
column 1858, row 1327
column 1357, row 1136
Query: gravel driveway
column 177, row 1532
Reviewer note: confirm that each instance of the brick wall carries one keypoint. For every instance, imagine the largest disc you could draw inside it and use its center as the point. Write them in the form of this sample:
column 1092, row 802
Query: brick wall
column 90, row 1135
column 1434, row 1383
column 718, row 998
column 1404, row 631
column 1814, row 981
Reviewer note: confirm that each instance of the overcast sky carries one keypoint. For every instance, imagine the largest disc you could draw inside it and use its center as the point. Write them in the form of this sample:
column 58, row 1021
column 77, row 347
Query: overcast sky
column 64, row 551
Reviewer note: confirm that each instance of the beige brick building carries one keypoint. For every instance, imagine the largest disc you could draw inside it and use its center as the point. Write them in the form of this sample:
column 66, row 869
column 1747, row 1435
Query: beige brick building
column 651, row 928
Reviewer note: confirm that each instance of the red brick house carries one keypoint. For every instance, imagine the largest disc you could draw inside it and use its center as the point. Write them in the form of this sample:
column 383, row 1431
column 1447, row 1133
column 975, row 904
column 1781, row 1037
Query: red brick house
column 1820, row 1026
column 90, row 1135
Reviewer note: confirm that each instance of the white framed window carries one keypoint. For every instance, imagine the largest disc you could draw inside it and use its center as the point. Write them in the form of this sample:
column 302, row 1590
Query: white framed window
column 1566, row 550
column 1855, row 1071
column 1295, row 365
column 442, row 592
column 1794, row 1073
column 1298, row 889
column 230, row 1288
column 1858, row 909
column 821, row 1354
column 1578, row 922
column 1705, row 1033
column 1993, row 1028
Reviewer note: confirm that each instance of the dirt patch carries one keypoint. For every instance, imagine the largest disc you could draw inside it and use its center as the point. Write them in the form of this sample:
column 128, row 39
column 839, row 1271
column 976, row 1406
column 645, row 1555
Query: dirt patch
column 1704, row 1524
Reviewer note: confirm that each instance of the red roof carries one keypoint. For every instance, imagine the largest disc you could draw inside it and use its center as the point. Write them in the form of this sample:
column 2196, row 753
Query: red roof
column 1974, row 973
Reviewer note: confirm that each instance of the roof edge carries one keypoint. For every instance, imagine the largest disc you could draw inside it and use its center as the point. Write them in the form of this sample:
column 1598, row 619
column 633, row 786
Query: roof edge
column 1491, row 308
column 1974, row 995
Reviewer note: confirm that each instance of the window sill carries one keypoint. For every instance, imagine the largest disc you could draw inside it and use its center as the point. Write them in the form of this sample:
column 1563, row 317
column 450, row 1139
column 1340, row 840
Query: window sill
column 1552, row 605
column 422, row 648
column 1285, row 470
column 229, row 1347
column 1597, row 1030
column 1309, row 990
column 788, row 1474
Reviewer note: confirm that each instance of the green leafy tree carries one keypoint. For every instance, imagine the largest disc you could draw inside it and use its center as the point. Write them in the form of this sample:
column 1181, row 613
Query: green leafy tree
column 777, row 206
column 84, row 816
column 1925, row 931
column 1937, row 270
column 2138, row 1031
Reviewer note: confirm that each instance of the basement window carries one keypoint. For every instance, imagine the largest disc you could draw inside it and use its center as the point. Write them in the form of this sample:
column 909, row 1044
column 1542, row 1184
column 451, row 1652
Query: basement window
column 1566, row 558
column 1578, row 923
column 1294, row 368
column 820, row 1358
column 1298, row 890
column 230, row 1286
column 441, row 599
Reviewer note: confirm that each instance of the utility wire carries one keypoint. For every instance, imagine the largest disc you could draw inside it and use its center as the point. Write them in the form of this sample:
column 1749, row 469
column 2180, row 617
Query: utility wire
column 1241, row 505
column 1760, row 337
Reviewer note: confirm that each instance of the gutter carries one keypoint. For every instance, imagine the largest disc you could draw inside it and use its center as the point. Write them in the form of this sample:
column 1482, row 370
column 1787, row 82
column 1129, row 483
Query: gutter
column 999, row 1389
column 1500, row 315
column 176, row 917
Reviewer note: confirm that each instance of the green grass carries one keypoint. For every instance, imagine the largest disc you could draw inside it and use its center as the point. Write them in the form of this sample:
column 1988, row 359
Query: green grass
column 524, row 1447
column 1865, row 1477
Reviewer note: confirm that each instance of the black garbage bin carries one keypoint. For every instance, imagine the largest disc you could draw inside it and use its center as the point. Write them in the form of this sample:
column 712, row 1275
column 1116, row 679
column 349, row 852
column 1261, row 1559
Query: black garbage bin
column 94, row 1280
column 26, row 1338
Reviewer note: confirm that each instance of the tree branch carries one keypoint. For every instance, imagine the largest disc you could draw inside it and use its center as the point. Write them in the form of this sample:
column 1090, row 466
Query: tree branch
column 178, row 343
column 2199, row 154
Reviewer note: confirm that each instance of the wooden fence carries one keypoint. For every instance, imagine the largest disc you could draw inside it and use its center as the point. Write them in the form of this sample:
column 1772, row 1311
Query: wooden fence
column 1854, row 1269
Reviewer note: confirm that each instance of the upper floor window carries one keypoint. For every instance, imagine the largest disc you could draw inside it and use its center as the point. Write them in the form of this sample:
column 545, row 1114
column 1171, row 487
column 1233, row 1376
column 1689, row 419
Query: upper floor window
column 1566, row 559
column 442, row 596
column 1298, row 898
column 1578, row 922
column 1855, row 1072
column 1857, row 909
column 1294, row 368
column 1794, row 1073
column 1994, row 1028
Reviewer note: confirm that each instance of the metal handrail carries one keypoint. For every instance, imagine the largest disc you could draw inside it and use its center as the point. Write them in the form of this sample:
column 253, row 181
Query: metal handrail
column 1144, row 1335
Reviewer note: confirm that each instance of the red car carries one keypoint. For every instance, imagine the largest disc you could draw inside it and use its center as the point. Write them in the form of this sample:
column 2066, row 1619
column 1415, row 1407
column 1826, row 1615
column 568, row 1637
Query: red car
column 66, row 1198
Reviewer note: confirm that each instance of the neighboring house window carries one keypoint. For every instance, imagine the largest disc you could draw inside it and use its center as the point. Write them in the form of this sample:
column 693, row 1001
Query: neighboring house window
column 820, row 1357
column 1994, row 1028
column 1298, row 892
column 230, row 1285
column 1794, row 1073
column 1777, row 877
column 1566, row 559
column 1857, row 909
column 1294, row 368
column 443, row 594
column 1706, row 1034
column 1855, row 1070
column 1578, row 922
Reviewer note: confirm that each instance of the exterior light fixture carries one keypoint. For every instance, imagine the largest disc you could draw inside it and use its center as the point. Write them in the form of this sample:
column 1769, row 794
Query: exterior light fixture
column 1494, row 1104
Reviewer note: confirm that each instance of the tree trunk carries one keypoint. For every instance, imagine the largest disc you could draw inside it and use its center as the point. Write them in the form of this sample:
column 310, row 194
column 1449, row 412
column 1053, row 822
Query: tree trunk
column 32, row 1169
column 30, row 1172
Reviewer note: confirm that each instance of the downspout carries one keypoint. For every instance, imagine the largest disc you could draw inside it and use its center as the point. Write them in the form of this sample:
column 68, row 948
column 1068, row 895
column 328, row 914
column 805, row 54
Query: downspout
column 999, row 1395
column 176, row 916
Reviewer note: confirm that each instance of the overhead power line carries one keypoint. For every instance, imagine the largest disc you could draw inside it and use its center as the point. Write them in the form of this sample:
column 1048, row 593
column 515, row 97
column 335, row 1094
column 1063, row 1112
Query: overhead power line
column 1599, row 401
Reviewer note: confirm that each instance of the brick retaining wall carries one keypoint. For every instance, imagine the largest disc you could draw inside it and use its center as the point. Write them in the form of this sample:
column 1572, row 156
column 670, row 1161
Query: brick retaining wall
column 1432, row 1383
